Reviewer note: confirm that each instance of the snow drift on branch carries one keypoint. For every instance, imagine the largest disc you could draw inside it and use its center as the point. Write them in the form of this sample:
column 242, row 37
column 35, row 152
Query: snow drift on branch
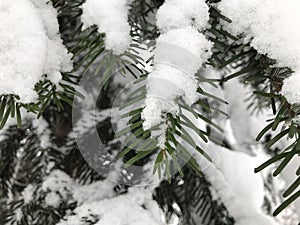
column 134, row 208
column 272, row 26
column 110, row 16
column 99, row 207
column 234, row 182
column 178, row 14
column 30, row 47
column 180, row 52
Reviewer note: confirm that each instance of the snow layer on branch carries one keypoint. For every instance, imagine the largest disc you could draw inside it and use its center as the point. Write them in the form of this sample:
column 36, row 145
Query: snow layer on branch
column 236, row 185
column 180, row 52
column 30, row 47
column 177, row 13
column 110, row 16
column 273, row 25
column 185, row 49
column 57, row 181
column 99, row 202
column 57, row 58
column 273, row 28
column 134, row 208
column 232, row 178
column 291, row 89
column 58, row 186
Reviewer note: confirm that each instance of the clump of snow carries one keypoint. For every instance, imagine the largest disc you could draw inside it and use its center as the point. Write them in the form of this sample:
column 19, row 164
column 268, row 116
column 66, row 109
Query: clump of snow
column 234, row 182
column 271, row 25
column 110, row 18
column 18, row 214
column 180, row 51
column 99, row 203
column 57, row 186
column 57, row 58
column 28, row 193
column 241, row 118
column 272, row 29
column 175, row 14
column 58, row 181
column 23, row 49
column 90, row 192
column 28, row 52
column 43, row 132
column 134, row 208
column 53, row 199
column 291, row 89
column 296, row 120
column 184, row 48
column 232, row 178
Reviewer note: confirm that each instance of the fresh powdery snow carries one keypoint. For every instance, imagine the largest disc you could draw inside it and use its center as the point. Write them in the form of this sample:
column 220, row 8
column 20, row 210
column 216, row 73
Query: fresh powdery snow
column 98, row 201
column 57, row 58
column 178, row 14
column 111, row 18
column 236, row 185
column 180, row 51
column 268, row 24
column 273, row 28
column 29, row 27
column 135, row 208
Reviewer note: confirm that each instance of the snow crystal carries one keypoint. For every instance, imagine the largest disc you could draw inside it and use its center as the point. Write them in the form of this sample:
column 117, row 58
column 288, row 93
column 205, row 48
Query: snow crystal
column 177, row 13
column 110, row 16
column 180, row 51
column 291, row 89
column 25, row 49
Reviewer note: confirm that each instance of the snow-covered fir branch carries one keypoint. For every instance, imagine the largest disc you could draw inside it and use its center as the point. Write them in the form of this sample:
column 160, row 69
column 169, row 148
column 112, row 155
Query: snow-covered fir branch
column 271, row 28
column 218, row 162
column 180, row 51
column 30, row 27
column 111, row 18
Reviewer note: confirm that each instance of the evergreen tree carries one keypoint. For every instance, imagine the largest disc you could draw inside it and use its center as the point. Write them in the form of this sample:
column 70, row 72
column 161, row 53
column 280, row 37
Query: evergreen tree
column 149, row 112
